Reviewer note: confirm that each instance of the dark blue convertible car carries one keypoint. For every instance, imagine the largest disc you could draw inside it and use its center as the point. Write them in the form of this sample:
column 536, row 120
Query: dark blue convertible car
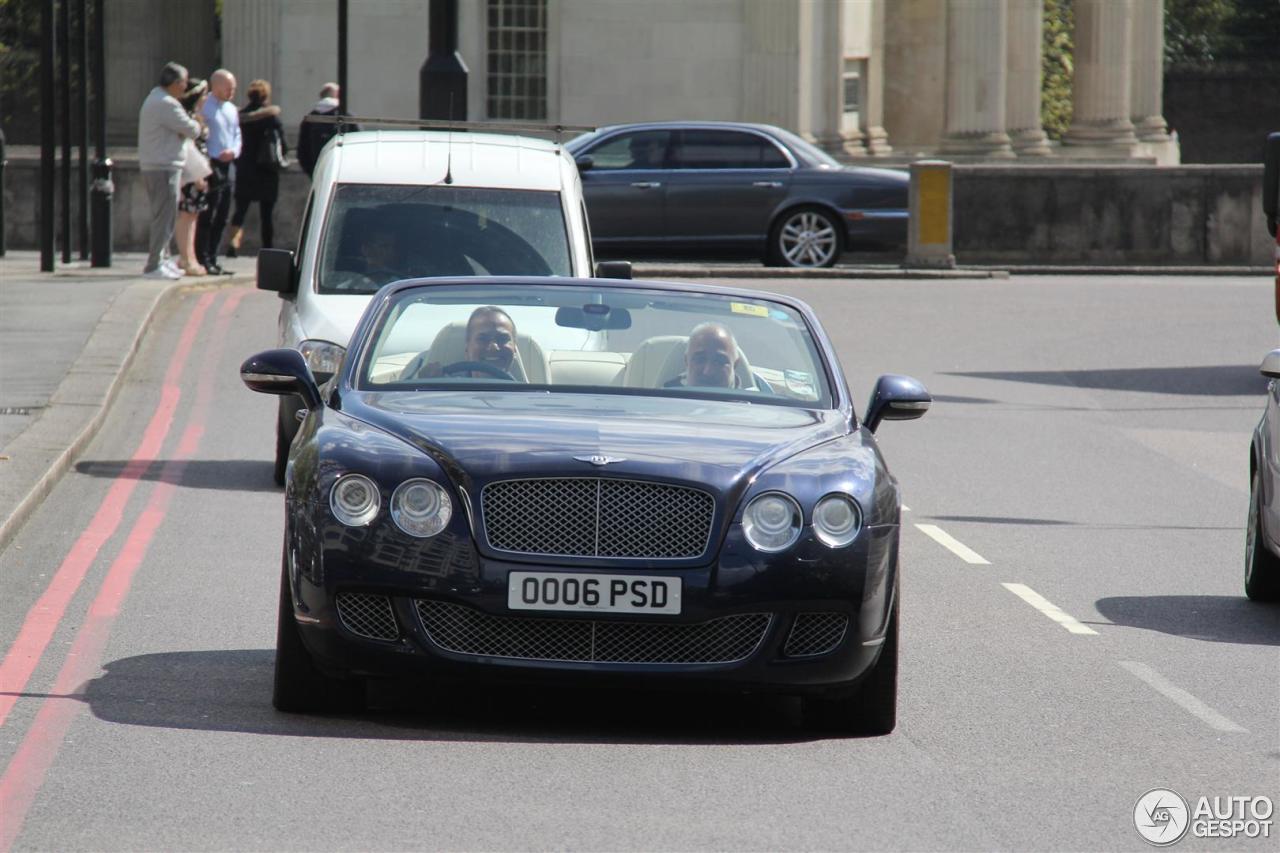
column 590, row 481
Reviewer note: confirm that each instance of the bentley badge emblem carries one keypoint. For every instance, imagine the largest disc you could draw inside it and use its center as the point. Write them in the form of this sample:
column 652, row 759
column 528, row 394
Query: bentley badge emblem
column 600, row 460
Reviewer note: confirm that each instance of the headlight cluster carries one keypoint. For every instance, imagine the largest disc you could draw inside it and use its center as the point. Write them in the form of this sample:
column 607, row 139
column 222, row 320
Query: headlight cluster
column 322, row 357
column 419, row 507
column 772, row 521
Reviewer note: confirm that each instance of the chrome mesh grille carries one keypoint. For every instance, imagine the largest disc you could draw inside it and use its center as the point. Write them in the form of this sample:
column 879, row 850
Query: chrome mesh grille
column 595, row 517
column 815, row 634
column 367, row 615
column 465, row 630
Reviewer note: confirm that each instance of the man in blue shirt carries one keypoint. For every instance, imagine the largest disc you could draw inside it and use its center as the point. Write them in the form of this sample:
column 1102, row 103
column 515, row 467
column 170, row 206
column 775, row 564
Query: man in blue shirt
column 223, row 121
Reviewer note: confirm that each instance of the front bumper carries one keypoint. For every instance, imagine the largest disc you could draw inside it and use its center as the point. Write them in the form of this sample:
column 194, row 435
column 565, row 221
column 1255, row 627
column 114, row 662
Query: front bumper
column 810, row 621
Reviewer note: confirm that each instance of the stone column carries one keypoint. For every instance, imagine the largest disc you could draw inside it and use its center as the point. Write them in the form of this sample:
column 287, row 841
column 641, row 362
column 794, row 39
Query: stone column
column 875, row 137
column 771, row 63
column 1147, row 86
column 975, row 79
column 1022, row 96
column 1100, row 124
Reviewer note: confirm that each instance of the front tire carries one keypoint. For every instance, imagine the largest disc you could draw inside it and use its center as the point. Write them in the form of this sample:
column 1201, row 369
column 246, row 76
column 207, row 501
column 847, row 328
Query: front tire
column 873, row 708
column 299, row 687
column 1261, row 567
column 807, row 237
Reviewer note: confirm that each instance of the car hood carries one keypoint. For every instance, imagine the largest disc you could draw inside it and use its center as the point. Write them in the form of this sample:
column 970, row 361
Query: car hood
column 478, row 437
column 332, row 316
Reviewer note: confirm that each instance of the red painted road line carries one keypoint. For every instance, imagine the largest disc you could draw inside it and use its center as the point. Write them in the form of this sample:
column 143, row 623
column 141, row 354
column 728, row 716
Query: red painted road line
column 26, row 772
column 43, row 617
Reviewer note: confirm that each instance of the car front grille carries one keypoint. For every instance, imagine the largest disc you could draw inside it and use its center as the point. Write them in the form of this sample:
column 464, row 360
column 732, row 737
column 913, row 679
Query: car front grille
column 367, row 615
column 465, row 630
column 815, row 634
column 597, row 517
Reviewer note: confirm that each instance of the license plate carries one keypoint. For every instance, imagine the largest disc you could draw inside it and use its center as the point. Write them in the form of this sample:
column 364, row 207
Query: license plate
column 592, row 593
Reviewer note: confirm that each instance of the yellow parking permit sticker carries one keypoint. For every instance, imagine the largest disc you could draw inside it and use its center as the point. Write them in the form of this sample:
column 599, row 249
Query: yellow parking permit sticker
column 748, row 309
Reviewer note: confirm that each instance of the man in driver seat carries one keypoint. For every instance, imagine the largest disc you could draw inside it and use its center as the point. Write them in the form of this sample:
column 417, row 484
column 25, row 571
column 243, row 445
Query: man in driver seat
column 491, row 340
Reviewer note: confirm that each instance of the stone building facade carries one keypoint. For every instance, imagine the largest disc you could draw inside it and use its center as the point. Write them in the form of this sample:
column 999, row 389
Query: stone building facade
column 870, row 78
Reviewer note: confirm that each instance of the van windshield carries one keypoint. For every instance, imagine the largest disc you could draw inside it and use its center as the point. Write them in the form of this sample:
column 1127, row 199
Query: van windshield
column 379, row 233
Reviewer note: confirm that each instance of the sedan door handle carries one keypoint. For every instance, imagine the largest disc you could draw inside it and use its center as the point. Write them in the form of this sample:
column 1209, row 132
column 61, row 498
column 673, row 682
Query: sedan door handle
column 647, row 185
column 773, row 184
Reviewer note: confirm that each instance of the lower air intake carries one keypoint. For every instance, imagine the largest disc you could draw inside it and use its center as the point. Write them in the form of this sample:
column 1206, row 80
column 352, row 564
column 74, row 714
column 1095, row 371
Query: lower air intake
column 815, row 634
column 368, row 615
column 465, row 630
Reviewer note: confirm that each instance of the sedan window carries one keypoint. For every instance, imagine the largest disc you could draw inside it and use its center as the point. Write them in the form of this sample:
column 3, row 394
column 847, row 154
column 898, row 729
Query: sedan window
column 643, row 150
column 725, row 149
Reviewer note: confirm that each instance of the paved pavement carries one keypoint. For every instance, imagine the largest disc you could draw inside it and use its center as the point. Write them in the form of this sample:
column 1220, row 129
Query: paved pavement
column 66, row 339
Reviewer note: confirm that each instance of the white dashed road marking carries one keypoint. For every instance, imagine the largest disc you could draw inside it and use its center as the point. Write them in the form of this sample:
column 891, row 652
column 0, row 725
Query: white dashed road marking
column 955, row 546
column 1048, row 608
column 1181, row 697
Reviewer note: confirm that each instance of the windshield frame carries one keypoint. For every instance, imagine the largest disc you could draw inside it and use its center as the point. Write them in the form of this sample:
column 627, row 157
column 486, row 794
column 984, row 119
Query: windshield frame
column 357, row 367
column 331, row 204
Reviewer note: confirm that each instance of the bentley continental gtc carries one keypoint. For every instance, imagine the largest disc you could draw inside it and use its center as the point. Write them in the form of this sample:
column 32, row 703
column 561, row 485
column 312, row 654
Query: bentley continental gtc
column 589, row 481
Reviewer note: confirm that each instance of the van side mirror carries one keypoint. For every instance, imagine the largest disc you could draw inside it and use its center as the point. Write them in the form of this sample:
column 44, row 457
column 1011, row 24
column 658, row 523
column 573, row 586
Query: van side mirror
column 584, row 163
column 614, row 269
column 276, row 271
column 896, row 398
column 1271, row 180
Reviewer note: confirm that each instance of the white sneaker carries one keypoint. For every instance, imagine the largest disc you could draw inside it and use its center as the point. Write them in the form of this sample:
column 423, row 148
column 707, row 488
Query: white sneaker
column 172, row 266
column 162, row 272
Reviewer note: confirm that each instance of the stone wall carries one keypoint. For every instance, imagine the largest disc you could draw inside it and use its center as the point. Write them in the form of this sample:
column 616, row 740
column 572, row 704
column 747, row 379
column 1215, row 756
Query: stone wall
column 1187, row 215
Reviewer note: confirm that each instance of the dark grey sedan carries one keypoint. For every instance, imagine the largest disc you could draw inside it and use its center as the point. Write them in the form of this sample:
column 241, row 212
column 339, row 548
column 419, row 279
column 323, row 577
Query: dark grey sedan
column 749, row 187
column 1262, row 532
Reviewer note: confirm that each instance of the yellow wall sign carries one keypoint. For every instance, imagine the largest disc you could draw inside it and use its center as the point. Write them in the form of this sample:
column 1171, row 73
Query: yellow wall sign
column 935, row 205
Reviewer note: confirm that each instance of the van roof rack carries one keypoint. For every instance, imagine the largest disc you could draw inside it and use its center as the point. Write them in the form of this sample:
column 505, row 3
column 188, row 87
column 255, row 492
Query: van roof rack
column 345, row 123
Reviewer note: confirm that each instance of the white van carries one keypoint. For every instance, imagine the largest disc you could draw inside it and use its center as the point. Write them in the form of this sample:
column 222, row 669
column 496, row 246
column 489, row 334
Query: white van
column 394, row 204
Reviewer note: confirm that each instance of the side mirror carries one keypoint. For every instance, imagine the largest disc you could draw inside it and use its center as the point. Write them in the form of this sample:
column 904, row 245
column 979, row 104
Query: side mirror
column 280, row 372
column 584, row 163
column 896, row 398
column 276, row 271
column 1271, row 180
column 614, row 269
column 1271, row 365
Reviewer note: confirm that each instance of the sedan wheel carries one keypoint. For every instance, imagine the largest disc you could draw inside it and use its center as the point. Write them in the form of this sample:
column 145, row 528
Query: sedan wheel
column 808, row 237
column 1261, row 567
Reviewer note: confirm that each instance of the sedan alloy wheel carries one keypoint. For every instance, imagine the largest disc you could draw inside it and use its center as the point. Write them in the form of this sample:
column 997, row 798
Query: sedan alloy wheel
column 806, row 238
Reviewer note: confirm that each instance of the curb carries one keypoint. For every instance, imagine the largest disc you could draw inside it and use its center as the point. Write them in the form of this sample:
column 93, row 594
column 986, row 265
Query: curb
column 659, row 271
column 50, row 445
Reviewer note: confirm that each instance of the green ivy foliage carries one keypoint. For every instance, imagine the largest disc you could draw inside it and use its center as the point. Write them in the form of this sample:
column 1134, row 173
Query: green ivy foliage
column 1056, row 63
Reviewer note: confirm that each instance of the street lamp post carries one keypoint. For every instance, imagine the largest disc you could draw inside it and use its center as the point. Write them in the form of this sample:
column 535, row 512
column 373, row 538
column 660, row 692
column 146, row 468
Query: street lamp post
column 82, row 181
column 442, row 83
column 47, row 182
column 64, row 74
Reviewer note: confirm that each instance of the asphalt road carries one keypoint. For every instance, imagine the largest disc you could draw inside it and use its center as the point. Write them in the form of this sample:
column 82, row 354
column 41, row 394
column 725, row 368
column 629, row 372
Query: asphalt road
column 1073, row 627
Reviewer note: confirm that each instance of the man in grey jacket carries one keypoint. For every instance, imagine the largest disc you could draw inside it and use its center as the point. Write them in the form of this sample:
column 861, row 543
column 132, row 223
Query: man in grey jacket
column 163, row 127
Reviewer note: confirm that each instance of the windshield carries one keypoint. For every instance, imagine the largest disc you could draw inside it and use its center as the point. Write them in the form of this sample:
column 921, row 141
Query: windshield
column 620, row 340
column 378, row 233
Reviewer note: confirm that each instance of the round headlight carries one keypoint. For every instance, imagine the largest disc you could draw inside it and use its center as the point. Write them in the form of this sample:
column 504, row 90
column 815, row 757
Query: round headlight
column 421, row 508
column 771, row 522
column 354, row 500
column 837, row 520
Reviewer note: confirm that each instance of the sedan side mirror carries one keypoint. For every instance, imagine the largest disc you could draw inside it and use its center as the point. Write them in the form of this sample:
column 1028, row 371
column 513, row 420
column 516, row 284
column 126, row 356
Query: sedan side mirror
column 280, row 372
column 896, row 398
column 276, row 271
column 584, row 163
column 1271, row 365
column 614, row 269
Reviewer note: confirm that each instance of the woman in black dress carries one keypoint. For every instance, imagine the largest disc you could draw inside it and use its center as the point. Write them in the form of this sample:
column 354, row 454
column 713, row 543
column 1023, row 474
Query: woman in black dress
column 262, row 158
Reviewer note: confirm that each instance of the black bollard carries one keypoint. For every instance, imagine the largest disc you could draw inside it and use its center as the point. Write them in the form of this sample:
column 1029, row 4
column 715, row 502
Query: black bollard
column 103, row 188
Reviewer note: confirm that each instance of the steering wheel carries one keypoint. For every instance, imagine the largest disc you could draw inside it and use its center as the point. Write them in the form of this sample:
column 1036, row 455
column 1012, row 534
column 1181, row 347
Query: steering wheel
column 480, row 366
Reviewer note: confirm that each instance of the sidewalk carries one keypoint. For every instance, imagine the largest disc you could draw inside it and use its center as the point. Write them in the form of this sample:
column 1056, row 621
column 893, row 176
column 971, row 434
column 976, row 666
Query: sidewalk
column 66, row 340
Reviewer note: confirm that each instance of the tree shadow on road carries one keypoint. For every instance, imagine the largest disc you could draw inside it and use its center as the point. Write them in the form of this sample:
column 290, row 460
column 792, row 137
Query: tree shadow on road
column 1215, row 618
column 230, row 691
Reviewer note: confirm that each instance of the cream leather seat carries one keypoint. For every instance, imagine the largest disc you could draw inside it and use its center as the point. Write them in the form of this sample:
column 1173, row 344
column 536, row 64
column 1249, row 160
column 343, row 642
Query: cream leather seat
column 659, row 360
column 450, row 346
